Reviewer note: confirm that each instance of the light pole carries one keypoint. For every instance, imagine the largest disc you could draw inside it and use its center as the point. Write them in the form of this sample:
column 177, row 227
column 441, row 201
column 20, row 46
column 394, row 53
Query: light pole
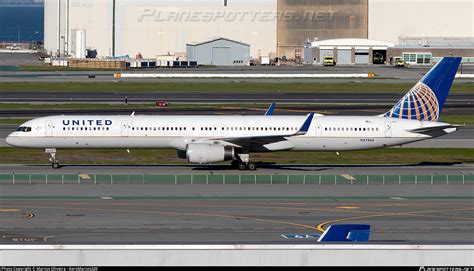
column 18, row 27
column 37, row 42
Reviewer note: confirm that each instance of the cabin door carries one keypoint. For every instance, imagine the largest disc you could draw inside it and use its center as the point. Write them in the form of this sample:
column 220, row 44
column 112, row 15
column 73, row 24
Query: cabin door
column 125, row 129
column 388, row 129
column 49, row 128
column 318, row 131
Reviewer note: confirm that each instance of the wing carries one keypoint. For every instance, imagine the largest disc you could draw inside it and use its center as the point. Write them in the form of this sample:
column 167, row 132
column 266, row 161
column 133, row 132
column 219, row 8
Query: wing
column 257, row 142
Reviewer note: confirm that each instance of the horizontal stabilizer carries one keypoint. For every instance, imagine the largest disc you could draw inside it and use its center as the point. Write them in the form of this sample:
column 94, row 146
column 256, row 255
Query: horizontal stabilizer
column 436, row 131
column 346, row 233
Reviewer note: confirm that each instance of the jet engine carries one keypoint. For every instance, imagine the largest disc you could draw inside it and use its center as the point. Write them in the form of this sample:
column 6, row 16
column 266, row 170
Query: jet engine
column 209, row 153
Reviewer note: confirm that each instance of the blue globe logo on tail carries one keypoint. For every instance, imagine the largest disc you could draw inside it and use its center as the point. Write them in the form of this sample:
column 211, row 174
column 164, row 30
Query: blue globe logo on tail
column 420, row 103
column 426, row 99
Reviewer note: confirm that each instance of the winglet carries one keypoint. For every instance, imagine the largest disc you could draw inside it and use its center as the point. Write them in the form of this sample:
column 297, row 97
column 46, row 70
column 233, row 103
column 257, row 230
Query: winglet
column 271, row 109
column 346, row 233
column 305, row 128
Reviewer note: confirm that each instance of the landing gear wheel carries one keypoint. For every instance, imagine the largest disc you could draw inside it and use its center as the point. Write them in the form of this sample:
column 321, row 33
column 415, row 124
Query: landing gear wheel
column 54, row 161
column 251, row 166
column 242, row 166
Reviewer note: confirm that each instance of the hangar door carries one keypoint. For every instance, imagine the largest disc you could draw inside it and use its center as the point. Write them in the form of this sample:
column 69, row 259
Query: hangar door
column 344, row 56
column 325, row 52
column 362, row 56
column 221, row 56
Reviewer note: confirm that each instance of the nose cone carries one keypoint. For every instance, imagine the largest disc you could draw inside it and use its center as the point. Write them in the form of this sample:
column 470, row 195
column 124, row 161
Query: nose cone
column 10, row 140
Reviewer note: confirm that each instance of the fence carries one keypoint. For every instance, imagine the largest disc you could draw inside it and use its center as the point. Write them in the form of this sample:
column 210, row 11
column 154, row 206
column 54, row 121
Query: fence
column 221, row 179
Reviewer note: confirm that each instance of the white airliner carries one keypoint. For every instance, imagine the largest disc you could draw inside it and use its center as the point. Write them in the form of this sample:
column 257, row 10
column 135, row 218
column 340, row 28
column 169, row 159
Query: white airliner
column 212, row 139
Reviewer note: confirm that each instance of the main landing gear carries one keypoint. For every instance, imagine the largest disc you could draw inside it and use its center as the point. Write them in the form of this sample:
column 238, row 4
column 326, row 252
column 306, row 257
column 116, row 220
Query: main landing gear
column 244, row 163
column 54, row 162
column 243, row 166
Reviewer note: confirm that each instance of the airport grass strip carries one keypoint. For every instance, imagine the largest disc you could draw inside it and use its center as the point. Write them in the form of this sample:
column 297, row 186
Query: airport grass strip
column 151, row 157
column 352, row 87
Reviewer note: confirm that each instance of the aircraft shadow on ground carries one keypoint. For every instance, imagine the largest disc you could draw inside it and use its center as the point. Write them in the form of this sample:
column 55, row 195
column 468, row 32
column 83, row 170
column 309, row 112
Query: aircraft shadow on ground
column 260, row 165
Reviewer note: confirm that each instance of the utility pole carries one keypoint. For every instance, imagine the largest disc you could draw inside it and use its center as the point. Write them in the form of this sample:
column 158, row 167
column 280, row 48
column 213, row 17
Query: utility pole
column 18, row 33
column 278, row 54
column 113, row 28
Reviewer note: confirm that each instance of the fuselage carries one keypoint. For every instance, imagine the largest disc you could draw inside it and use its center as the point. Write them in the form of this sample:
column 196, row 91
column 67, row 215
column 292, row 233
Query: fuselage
column 326, row 133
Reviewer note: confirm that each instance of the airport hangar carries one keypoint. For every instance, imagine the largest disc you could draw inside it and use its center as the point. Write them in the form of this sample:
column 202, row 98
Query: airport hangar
column 219, row 52
column 413, row 51
column 270, row 27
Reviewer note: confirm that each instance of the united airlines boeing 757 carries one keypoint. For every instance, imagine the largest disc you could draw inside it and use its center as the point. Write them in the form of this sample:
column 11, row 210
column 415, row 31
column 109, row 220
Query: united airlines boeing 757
column 213, row 139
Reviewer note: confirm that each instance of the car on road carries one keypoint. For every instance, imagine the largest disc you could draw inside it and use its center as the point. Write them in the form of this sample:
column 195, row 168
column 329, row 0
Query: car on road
column 329, row 61
column 13, row 47
column 400, row 64
column 161, row 104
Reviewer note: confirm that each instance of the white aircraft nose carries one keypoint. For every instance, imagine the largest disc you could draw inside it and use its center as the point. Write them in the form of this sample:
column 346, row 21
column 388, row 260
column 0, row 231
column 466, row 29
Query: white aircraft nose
column 10, row 140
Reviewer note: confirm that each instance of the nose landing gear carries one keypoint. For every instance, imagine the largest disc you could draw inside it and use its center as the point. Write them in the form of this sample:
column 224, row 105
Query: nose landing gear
column 54, row 162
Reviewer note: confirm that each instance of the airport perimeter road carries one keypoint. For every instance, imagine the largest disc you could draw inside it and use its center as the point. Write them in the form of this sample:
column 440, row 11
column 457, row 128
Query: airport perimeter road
column 453, row 100
column 388, row 73
column 233, row 214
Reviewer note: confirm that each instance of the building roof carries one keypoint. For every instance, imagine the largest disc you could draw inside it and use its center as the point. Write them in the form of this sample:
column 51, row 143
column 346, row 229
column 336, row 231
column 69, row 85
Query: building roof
column 352, row 42
column 216, row 39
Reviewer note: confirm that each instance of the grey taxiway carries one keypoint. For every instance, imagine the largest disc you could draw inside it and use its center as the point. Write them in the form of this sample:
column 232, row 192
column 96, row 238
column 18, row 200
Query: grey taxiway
column 230, row 214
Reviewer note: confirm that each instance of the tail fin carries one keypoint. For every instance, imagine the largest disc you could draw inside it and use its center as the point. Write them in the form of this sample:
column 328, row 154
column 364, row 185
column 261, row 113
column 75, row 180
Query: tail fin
column 426, row 99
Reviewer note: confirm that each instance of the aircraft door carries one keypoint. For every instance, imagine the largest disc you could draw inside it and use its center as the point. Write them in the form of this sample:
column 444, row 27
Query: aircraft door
column 49, row 128
column 125, row 129
column 318, row 131
column 388, row 129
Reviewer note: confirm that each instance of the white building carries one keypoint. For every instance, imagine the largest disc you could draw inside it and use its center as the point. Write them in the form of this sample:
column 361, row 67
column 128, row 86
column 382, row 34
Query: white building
column 161, row 27
column 219, row 52
column 158, row 27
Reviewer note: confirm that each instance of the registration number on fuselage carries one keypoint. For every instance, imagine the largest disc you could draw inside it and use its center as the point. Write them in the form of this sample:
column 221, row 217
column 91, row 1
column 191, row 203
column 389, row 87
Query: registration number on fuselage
column 367, row 140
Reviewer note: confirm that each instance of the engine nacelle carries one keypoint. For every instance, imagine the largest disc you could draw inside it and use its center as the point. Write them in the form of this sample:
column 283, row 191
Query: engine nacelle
column 209, row 153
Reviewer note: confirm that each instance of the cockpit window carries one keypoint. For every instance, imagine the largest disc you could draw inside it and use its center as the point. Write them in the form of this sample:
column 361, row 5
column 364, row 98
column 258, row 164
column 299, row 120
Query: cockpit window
column 23, row 129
